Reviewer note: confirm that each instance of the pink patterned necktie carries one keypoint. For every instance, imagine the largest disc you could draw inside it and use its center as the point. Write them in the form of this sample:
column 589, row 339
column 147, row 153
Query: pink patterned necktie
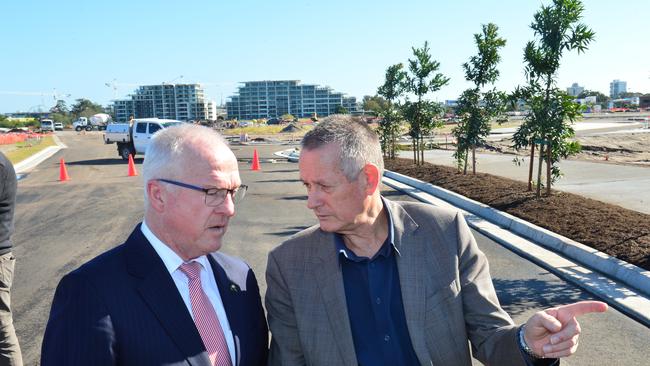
column 205, row 317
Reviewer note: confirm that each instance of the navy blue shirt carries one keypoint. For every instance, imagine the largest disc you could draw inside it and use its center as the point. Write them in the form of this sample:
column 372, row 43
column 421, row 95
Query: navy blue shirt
column 375, row 308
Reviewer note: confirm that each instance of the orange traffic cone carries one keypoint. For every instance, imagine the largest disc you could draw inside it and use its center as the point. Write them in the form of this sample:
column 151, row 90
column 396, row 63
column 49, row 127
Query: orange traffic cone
column 132, row 171
column 63, row 172
column 256, row 161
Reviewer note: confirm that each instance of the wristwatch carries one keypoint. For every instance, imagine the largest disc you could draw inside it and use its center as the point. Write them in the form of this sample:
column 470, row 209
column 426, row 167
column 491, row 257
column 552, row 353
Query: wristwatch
column 522, row 344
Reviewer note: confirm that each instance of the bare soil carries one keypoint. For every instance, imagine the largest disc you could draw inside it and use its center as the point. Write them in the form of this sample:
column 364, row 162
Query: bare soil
column 619, row 232
column 617, row 148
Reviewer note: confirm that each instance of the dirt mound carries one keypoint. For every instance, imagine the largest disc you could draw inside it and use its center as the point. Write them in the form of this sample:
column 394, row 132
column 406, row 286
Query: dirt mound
column 291, row 128
column 619, row 232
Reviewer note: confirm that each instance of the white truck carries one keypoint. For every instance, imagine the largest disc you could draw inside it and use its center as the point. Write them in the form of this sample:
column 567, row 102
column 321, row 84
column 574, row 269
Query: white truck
column 47, row 125
column 132, row 139
column 99, row 121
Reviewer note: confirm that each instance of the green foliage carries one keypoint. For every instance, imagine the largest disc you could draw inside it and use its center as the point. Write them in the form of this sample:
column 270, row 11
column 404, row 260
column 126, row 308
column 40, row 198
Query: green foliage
column 423, row 116
column 18, row 123
column 390, row 127
column 85, row 108
column 552, row 110
column 60, row 107
column 477, row 109
column 600, row 97
column 341, row 110
column 287, row 117
column 374, row 104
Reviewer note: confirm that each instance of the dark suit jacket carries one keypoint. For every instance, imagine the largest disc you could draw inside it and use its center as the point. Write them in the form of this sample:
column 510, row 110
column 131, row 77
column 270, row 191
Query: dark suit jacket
column 123, row 308
column 447, row 295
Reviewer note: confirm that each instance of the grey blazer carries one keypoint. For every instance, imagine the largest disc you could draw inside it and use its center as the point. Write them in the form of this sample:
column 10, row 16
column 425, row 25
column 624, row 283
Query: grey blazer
column 446, row 288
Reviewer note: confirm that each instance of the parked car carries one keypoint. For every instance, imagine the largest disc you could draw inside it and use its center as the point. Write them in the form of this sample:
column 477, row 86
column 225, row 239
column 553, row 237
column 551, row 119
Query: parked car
column 273, row 121
column 47, row 125
column 58, row 126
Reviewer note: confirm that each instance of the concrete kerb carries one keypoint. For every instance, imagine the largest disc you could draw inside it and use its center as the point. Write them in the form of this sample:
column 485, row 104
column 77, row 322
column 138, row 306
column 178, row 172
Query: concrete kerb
column 32, row 161
column 629, row 274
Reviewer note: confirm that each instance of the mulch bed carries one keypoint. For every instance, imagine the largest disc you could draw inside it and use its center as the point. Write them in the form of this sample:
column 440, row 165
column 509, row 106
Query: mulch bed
column 619, row 232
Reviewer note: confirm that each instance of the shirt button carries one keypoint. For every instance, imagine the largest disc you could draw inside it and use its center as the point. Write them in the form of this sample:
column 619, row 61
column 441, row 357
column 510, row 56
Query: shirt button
column 378, row 301
column 386, row 338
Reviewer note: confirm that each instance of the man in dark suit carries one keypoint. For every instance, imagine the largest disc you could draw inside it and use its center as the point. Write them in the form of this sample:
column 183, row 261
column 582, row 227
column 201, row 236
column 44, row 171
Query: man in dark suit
column 379, row 282
column 165, row 297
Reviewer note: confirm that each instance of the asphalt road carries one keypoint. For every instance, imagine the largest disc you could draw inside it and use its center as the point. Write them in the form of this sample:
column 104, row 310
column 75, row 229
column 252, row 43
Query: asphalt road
column 59, row 226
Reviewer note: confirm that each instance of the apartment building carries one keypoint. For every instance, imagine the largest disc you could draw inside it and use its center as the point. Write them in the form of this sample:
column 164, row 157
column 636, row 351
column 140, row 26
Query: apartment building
column 574, row 90
column 268, row 99
column 170, row 101
column 616, row 88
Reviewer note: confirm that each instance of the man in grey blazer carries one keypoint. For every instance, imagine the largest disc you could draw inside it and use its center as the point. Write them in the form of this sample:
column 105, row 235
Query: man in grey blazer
column 387, row 283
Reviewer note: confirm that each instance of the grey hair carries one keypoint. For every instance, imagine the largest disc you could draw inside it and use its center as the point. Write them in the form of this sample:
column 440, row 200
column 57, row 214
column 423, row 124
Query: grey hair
column 358, row 144
column 167, row 151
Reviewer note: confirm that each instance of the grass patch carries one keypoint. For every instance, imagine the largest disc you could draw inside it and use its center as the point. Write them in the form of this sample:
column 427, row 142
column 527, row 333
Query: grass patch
column 264, row 130
column 28, row 148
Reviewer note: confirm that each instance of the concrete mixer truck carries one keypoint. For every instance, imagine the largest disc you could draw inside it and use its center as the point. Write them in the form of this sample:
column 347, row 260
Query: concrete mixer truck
column 98, row 121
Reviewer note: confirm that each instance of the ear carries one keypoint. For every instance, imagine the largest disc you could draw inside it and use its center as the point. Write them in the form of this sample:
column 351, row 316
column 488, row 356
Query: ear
column 373, row 179
column 157, row 195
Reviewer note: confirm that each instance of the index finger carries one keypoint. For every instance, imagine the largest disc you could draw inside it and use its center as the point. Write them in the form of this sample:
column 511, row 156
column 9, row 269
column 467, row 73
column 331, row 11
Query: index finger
column 584, row 307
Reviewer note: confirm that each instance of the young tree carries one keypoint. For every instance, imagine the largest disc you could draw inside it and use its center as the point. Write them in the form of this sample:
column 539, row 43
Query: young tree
column 389, row 127
column 476, row 109
column 552, row 111
column 422, row 115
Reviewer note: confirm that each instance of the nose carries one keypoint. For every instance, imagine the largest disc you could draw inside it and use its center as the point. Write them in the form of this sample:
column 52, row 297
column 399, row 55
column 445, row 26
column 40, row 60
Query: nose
column 313, row 199
column 227, row 207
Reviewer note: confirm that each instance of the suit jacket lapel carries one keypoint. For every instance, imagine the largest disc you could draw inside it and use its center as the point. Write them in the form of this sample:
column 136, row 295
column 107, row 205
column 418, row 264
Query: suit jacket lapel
column 411, row 266
column 329, row 279
column 236, row 318
column 161, row 295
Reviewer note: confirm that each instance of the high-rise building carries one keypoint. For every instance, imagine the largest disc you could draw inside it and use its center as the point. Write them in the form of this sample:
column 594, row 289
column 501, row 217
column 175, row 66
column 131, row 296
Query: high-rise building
column 616, row 88
column 268, row 99
column 170, row 101
column 574, row 90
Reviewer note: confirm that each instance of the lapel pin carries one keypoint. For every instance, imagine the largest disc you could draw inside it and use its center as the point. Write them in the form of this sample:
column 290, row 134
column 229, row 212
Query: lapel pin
column 234, row 287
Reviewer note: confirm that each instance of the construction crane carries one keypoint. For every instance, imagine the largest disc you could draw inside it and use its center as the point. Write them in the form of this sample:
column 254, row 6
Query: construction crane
column 172, row 81
column 55, row 95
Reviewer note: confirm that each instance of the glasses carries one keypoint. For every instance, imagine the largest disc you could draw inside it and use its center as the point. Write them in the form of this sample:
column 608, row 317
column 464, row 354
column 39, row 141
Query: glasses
column 213, row 196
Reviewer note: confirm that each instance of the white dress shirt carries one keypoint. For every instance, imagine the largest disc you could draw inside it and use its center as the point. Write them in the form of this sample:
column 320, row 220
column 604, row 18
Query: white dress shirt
column 172, row 262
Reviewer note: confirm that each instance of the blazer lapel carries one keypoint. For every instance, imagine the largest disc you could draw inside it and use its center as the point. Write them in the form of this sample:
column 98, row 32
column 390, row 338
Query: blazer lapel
column 161, row 295
column 329, row 279
column 227, row 290
column 411, row 263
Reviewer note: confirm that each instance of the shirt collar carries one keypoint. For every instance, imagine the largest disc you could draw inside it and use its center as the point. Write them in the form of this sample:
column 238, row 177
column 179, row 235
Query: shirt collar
column 170, row 259
column 385, row 251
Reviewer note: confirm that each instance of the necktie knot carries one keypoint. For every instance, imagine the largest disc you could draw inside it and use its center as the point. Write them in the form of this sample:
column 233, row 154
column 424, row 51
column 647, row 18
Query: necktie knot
column 192, row 270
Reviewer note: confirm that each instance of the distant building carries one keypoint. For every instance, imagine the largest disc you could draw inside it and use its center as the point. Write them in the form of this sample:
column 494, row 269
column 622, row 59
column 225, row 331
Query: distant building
column 451, row 103
column 574, row 90
column 170, row 101
column 272, row 99
column 644, row 101
column 588, row 100
column 617, row 87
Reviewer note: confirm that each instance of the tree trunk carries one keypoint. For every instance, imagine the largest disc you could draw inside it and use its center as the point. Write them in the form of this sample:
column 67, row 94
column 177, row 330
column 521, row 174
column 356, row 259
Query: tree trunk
column 474, row 160
column 548, row 168
column 539, row 169
column 530, row 169
column 415, row 151
column 422, row 146
column 465, row 155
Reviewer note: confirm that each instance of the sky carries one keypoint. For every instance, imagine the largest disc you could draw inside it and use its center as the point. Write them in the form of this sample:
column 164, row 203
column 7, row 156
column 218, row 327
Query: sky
column 72, row 49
